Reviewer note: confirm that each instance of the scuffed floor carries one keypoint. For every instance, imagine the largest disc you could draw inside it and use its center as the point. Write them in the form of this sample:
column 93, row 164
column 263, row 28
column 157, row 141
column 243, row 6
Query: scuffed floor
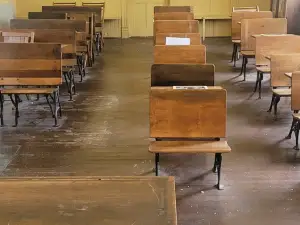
column 105, row 132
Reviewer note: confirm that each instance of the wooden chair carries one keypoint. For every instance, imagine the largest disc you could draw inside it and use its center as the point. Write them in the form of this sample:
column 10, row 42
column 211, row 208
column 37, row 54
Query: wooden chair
column 280, row 83
column 195, row 38
column 252, row 27
column 17, row 37
column 188, row 121
column 236, row 19
column 31, row 64
column 174, row 16
column 89, row 18
column 162, row 9
column 47, row 15
column 64, row 3
column 99, row 23
column 182, row 75
column 267, row 45
column 190, row 54
column 295, row 93
column 246, row 9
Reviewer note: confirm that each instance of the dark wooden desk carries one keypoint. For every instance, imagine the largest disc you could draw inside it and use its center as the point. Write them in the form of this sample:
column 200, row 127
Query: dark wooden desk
column 92, row 201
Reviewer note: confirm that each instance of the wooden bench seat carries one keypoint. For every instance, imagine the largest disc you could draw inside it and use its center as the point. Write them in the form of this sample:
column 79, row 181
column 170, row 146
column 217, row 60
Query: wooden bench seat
column 236, row 41
column 296, row 116
column 188, row 120
column 19, row 71
column 263, row 69
column 280, row 64
column 282, row 92
column 189, row 147
column 251, row 27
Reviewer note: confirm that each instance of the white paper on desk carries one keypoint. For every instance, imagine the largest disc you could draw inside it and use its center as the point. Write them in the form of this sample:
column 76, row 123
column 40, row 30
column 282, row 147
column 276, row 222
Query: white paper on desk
column 178, row 41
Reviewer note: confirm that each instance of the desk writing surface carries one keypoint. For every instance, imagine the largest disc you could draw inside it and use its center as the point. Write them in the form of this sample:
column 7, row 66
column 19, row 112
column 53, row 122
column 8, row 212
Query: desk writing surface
column 90, row 201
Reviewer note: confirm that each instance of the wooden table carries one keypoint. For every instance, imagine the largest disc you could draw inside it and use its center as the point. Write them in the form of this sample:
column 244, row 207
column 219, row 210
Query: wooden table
column 92, row 201
column 289, row 75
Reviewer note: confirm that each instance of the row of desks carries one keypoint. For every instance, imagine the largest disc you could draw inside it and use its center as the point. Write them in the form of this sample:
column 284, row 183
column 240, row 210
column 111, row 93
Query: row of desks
column 83, row 200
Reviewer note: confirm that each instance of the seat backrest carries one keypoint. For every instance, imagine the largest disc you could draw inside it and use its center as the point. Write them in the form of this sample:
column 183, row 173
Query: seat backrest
column 176, row 26
column 296, row 90
column 47, row 15
column 18, row 36
column 182, row 75
column 237, row 17
column 98, row 10
column 267, row 45
column 281, row 64
column 189, row 54
column 260, row 26
column 195, row 38
column 174, row 16
column 246, row 9
column 77, row 25
column 159, row 9
column 30, row 64
column 187, row 113
column 99, row 14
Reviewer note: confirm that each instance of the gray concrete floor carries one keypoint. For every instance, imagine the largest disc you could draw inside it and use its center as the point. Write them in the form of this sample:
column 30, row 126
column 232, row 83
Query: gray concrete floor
column 105, row 132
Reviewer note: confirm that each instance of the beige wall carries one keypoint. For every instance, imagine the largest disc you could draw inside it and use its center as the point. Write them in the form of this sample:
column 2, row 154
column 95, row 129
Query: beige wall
column 135, row 17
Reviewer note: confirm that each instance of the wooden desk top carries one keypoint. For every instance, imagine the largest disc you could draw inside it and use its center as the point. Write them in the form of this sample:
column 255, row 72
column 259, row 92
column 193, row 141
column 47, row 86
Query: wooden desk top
column 270, row 35
column 92, row 201
column 289, row 75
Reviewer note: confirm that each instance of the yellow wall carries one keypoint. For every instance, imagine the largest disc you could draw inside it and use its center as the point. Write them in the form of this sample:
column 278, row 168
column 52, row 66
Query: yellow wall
column 135, row 17
column 219, row 8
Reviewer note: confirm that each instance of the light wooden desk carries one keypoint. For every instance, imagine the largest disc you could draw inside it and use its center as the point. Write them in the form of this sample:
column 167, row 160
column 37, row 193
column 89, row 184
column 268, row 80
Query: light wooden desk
column 204, row 18
column 88, row 200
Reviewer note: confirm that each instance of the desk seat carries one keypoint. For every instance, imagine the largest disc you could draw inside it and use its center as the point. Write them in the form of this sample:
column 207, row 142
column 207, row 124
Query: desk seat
column 248, row 53
column 263, row 69
column 296, row 116
column 236, row 41
column 282, row 92
column 189, row 147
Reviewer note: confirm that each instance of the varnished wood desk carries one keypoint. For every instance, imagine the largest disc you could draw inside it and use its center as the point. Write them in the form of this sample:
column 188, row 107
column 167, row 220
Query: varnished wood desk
column 90, row 201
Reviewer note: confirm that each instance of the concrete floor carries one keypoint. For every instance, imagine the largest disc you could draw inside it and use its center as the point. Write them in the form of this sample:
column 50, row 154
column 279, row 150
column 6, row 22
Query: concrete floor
column 105, row 132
